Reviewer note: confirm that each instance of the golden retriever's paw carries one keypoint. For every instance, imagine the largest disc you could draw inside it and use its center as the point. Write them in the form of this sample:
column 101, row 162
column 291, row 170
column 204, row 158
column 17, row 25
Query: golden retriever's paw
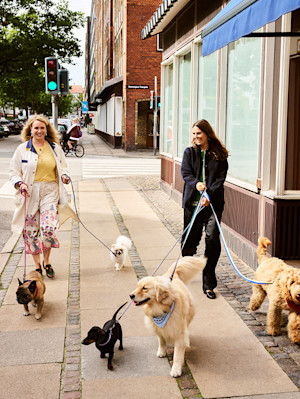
column 161, row 352
column 176, row 371
column 38, row 316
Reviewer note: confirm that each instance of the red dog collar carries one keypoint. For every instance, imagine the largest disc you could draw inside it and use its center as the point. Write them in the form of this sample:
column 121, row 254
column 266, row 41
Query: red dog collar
column 293, row 305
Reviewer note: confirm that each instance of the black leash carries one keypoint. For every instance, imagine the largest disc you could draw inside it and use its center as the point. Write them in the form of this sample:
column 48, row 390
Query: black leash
column 76, row 210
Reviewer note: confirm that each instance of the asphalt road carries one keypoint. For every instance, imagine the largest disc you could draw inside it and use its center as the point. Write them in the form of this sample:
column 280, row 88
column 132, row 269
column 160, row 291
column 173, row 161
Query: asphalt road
column 7, row 148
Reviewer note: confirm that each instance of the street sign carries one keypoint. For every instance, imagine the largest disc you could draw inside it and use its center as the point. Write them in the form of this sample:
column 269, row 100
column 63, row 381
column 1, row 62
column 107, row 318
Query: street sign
column 84, row 105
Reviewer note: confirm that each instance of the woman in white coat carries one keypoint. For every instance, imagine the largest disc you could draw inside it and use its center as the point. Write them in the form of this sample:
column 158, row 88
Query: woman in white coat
column 38, row 170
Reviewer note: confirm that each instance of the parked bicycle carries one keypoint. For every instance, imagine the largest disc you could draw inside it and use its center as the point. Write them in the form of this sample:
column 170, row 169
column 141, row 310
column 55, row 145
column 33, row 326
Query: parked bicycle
column 77, row 149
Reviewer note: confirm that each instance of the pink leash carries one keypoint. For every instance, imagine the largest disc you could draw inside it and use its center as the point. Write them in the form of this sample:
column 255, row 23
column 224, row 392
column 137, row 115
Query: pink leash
column 24, row 239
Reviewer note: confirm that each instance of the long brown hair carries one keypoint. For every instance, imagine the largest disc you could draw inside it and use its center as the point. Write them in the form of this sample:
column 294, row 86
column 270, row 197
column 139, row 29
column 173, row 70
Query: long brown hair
column 216, row 149
column 52, row 134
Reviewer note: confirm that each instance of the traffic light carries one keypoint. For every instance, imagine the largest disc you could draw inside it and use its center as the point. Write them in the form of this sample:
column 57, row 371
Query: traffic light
column 51, row 75
column 151, row 99
column 158, row 102
column 63, row 81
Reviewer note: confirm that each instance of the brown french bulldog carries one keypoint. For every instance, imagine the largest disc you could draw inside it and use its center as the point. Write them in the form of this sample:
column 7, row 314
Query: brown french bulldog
column 32, row 290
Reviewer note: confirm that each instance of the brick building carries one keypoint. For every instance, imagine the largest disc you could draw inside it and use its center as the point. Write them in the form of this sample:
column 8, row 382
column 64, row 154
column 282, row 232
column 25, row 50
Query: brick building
column 124, row 71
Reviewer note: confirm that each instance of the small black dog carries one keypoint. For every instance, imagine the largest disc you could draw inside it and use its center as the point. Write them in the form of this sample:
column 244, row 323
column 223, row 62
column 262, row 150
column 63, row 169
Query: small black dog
column 106, row 338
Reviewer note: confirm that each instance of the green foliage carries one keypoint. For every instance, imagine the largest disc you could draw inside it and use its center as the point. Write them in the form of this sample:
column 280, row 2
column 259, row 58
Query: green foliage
column 31, row 30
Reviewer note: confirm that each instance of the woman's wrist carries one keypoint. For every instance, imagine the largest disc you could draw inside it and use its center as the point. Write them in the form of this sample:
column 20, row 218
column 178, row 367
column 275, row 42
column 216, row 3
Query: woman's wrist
column 200, row 186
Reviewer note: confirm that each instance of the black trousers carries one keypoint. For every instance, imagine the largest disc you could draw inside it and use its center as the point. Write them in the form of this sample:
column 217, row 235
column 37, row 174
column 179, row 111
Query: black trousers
column 207, row 220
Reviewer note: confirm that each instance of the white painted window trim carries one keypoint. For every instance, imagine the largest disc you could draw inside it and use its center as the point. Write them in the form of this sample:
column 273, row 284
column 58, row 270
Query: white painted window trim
column 189, row 48
column 184, row 50
column 198, row 40
column 168, row 61
column 267, row 113
column 195, row 80
column 242, row 184
column 222, row 99
column 283, row 105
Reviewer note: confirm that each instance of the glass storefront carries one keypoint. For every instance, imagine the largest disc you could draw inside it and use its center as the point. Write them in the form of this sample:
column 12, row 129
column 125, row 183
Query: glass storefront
column 168, row 109
column 242, row 113
column 184, row 104
column 207, row 88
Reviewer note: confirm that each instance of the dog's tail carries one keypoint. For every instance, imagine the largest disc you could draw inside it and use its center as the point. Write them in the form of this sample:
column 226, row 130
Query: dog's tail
column 123, row 240
column 115, row 315
column 187, row 268
column 263, row 243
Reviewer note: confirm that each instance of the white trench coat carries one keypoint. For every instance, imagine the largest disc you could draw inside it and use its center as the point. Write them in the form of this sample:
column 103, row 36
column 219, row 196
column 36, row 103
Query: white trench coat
column 23, row 168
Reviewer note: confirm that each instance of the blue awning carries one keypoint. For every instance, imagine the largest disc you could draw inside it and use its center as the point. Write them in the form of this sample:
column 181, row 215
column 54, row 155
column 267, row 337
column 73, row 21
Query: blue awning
column 242, row 17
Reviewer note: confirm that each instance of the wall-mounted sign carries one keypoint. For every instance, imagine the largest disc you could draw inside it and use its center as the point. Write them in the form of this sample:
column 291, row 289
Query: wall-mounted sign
column 84, row 105
column 137, row 87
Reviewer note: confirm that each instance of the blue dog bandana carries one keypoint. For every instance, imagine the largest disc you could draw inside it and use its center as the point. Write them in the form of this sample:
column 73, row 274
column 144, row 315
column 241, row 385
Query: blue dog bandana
column 160, row 321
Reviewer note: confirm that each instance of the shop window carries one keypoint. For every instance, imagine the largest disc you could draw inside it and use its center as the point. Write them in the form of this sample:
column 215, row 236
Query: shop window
column 168, row 109
column 242, row 114
column 184, row 104
column 207, row 88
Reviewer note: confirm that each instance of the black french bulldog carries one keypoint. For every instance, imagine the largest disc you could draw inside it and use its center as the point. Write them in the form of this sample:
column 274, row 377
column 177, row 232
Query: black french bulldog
column 106, row 337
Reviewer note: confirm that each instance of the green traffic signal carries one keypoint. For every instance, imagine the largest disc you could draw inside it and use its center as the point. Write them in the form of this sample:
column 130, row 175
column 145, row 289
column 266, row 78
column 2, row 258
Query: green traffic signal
column 51, row 75
column 52, row 86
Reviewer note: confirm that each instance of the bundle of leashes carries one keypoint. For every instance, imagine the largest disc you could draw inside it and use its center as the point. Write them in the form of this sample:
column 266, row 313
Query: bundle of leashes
column 197, row 210
column 187, row 230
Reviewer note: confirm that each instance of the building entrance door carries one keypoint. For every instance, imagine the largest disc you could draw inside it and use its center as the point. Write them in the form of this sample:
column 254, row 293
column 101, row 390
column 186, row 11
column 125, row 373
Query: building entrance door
column 149, row 138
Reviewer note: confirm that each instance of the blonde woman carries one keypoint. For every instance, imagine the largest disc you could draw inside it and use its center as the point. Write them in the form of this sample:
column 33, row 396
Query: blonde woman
column 38, row 170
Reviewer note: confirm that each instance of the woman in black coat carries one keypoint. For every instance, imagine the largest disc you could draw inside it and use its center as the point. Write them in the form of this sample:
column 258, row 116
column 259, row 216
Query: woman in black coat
column 204, row 166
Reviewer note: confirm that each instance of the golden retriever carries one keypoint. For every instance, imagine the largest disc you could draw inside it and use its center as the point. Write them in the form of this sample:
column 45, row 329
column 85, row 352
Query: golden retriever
column 283, row 294
column 157, row 294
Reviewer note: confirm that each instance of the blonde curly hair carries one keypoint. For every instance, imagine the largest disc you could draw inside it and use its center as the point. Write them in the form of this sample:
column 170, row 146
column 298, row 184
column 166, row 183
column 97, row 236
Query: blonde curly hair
column 52, row 134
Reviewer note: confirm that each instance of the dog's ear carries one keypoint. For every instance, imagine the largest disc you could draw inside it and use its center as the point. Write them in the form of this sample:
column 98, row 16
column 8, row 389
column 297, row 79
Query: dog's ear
column 161, row 294
column 32, row 286
column 20, row 283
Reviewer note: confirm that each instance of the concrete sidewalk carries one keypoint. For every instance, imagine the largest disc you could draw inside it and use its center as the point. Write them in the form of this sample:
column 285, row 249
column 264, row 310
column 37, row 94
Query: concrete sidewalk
column 230, row 355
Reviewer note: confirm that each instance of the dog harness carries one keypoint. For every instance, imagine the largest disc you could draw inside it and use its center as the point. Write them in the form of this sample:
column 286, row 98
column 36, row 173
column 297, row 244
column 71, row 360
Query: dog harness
column 160, row 321
column 110, row 333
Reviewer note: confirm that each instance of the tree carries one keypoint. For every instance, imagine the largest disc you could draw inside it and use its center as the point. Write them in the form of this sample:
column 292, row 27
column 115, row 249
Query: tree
column 31, row 30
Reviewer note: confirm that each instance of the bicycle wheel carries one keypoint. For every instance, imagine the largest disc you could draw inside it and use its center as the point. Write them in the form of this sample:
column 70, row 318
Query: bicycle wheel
column 79, row 151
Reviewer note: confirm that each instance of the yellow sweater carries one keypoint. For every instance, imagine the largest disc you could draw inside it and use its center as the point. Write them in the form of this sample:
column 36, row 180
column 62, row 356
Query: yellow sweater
column 46, row 166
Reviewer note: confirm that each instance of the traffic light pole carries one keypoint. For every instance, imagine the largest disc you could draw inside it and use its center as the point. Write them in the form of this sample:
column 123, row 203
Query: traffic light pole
column 155, row 117
column 54, row 109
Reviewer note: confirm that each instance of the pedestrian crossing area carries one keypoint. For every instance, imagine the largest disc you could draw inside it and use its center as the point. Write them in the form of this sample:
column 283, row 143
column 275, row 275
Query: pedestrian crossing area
column 114, row 167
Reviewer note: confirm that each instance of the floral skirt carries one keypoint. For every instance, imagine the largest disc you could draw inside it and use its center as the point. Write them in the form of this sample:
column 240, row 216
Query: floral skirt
column 42, row 218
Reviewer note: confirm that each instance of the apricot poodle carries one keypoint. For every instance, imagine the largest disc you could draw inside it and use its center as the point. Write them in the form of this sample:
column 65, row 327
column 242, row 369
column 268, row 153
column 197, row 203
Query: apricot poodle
column 283, row 293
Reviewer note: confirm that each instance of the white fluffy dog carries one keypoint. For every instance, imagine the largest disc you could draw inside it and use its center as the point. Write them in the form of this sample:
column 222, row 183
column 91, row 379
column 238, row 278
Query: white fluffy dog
column 120, row 251
column 161, row 297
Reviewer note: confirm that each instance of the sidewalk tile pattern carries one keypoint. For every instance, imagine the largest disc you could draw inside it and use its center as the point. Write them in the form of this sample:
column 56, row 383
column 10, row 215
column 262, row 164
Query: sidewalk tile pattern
column 71, row 378
column 232, row 287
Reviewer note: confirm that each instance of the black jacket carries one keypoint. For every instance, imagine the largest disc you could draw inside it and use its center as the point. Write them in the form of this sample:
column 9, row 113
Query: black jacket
column 215, row 175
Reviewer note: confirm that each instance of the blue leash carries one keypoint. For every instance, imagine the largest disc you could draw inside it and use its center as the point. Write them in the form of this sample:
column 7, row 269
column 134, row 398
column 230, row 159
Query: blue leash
column 226, row 248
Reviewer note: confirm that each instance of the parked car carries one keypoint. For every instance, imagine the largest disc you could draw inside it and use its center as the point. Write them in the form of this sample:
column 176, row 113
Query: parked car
column 4, row 124
column 15, row 127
